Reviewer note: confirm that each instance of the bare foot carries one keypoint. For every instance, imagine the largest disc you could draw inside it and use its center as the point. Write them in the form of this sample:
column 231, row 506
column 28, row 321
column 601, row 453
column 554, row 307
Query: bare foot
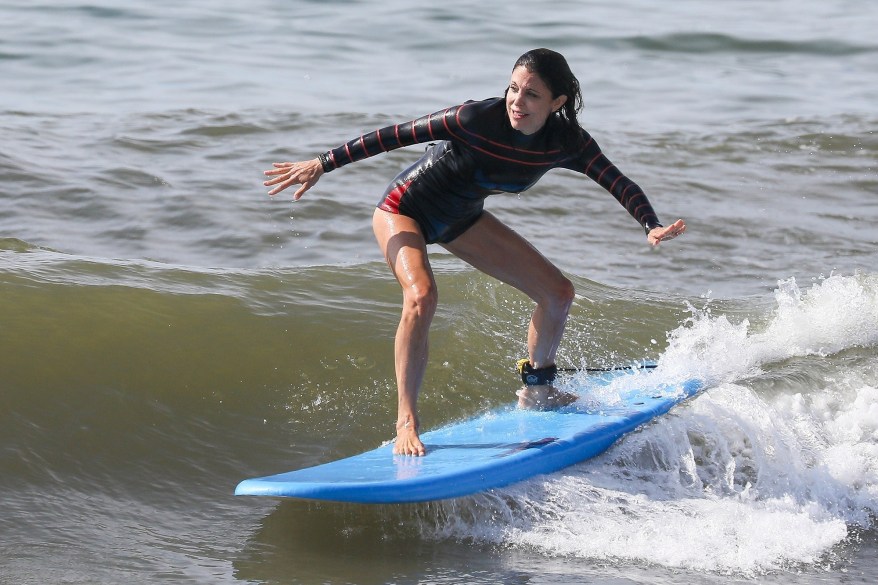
column 407, row 440
column 544, row 398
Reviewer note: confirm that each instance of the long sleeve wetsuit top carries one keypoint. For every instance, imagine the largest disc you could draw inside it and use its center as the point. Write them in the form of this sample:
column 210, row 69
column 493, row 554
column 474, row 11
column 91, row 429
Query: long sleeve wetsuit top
column 477, row 153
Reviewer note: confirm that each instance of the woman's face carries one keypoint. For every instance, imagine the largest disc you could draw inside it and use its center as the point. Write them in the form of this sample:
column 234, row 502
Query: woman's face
column 529, row 102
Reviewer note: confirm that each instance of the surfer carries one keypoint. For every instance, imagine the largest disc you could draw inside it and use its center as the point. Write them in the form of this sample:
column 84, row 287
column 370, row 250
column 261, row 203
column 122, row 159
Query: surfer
column 478, row 148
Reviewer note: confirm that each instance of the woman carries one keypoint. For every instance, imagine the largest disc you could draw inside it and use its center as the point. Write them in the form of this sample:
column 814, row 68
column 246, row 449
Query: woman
column 496, row 145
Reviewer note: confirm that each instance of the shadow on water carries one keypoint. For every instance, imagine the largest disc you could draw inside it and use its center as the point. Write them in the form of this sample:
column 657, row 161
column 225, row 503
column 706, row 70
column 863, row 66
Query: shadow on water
column 311, row 542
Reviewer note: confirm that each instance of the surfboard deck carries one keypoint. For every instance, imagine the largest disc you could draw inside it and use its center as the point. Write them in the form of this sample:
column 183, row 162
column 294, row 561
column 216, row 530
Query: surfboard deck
column 493, row 450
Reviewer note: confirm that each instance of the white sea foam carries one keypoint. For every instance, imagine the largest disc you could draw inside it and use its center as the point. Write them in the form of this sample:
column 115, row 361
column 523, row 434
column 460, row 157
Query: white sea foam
column 752, row 476
column 836, row 313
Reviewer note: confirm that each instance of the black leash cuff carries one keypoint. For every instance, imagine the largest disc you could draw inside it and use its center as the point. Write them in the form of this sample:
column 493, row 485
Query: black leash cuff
column 536, row 376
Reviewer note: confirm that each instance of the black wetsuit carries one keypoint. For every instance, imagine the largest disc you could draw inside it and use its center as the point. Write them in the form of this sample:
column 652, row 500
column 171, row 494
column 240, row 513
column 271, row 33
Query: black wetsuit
column 479, row 154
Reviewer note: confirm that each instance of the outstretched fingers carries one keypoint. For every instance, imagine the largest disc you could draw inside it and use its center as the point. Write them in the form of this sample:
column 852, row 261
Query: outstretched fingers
column 282, row 177
column 287, row 174
column 660, row 234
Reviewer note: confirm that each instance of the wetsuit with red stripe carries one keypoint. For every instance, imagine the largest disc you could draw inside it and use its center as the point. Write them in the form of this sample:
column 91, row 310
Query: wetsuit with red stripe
column 478, row 153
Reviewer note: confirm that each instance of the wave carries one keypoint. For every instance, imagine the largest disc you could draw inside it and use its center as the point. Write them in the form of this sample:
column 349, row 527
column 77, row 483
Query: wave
column 82, row 310
column 773, row 468
column 132, row 376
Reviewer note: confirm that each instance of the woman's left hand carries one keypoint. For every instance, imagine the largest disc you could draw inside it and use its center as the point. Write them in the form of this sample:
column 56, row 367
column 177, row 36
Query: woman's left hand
column 660, row 234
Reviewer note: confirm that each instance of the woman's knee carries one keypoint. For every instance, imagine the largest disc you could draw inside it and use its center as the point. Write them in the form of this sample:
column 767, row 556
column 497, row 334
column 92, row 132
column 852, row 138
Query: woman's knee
column 561, row 294
column 420, row 300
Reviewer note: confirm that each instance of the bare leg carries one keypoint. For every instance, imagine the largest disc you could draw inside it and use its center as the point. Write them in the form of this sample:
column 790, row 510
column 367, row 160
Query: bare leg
column 497, row 250
column 405, row 250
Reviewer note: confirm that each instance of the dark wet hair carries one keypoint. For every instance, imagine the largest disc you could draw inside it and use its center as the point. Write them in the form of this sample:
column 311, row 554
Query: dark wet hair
column 553, row 69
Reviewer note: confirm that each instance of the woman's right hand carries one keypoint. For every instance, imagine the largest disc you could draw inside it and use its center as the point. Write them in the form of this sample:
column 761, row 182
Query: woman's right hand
column 304, row 173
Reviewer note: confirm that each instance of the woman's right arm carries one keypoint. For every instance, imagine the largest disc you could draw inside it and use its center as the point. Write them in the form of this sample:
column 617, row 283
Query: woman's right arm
column 306, row 173
column 445, row 124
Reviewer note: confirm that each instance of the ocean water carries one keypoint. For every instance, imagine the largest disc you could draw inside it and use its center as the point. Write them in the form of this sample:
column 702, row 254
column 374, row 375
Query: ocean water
column 167, row 329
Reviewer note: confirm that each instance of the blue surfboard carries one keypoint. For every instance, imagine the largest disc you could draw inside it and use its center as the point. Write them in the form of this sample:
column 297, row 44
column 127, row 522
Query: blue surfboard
column 493, row 450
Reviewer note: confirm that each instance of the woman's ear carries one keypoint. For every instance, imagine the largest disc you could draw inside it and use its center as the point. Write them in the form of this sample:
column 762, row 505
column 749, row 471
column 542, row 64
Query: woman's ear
column 558, row 102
